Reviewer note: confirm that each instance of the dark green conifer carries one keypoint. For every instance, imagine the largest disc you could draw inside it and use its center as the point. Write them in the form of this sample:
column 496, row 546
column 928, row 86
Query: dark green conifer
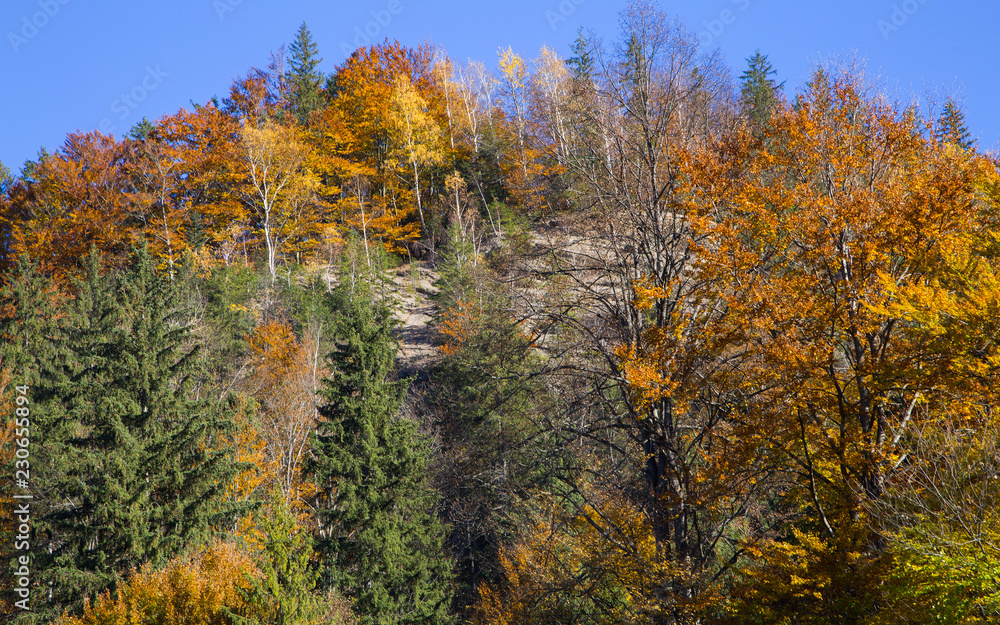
column 381, row 541
column 125, row 465
column 282, row 594
column 304, row 78
column 759, row 94
column 951, row 126
column 582, row 62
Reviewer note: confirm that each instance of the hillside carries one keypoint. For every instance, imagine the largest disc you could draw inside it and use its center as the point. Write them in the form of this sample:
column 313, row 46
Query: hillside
column 615, row 338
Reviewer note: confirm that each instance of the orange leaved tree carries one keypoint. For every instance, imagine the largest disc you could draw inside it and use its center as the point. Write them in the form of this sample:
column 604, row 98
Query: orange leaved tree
column 847, row 249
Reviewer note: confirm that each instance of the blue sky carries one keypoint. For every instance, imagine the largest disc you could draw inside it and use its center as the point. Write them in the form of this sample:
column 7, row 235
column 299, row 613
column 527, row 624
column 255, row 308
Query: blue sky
column 71, row 65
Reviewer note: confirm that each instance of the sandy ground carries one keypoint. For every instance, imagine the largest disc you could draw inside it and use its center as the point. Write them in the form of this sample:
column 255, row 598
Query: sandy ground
column 415, row 286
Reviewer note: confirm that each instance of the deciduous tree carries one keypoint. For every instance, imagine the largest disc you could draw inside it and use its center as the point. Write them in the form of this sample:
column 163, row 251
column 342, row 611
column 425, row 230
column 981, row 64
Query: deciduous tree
column 280, row 188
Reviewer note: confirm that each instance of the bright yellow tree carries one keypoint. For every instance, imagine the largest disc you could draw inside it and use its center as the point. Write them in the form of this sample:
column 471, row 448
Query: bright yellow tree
column 281, row 190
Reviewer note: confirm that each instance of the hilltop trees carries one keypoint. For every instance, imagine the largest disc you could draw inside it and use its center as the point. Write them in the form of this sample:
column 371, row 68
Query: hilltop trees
column 951, row 126
column 759, row 94
column 75, row 198
column 848, row 262
column 656, row 99
column 721, row 356
column 280, row 187
column 303, row 78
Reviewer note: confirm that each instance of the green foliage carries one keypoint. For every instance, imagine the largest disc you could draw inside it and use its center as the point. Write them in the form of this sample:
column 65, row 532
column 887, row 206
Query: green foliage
column 457, row 269
column 496, row 446
column 362, row 270
column 942, row 588
column 5, row 179
column 28, row 304
column 224, row 302
column 281, row 592
column 127, row 475
column 951, row 126
column 382, row 542
column 195, row 234
column 759, row 94
column 304, row 78
column 141, row 130
column 582, row 61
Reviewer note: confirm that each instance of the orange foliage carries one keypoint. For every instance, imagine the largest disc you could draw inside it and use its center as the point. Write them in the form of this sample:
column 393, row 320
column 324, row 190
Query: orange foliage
column 204, row 144
column 247, row 445
column 72, row 199
column 284, row 379
column 385, row 135
column 200, row 588
column 460, row 325
column 596, row 563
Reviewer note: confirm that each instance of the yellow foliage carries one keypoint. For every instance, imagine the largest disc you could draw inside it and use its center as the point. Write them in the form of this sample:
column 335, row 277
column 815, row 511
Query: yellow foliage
column 195, row 590
column 598, row 563
column 458, row 326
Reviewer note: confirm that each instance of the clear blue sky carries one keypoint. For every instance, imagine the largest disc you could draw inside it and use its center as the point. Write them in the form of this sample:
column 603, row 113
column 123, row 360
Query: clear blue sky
column 70, row 65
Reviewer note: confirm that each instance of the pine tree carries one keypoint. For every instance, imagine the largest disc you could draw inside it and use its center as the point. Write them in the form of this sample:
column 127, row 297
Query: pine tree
column 282, row 593
column 304, row 79
column 5, row 179
column 759, row 94
column 582, row 61
column 381, row 542
column 951, row 126
column 126, row 472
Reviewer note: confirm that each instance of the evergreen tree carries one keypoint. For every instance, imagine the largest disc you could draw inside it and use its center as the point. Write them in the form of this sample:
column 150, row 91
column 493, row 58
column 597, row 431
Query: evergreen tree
column 27, row 309
column 304, row 79
column 141, row 131
column 28, row 303
column 758, row 92
column 282, row 594
column 582, row 61
column 381, row 541
column 5, row 179
column 7, row 221
column 126, row 474
column 951, row 126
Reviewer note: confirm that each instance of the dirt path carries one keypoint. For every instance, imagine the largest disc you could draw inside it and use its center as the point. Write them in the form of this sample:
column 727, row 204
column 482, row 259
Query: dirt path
column 415, row 288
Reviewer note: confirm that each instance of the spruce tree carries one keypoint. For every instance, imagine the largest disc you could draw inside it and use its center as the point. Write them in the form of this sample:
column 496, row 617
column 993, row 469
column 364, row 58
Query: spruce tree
column 758, row 92
column 951, row 126
column 126, row 473
column 381, row 542
column 28, row 304
column 304, row 79
column 581, row 64
column 283, row 592
column 6, row 179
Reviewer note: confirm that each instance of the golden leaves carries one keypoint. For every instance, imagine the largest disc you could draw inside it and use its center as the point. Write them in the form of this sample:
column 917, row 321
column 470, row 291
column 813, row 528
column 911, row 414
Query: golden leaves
column 200, row 588
column 598, row 561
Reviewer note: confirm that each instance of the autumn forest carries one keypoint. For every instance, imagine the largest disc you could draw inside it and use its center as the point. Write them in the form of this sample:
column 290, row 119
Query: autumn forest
column 627, row 337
